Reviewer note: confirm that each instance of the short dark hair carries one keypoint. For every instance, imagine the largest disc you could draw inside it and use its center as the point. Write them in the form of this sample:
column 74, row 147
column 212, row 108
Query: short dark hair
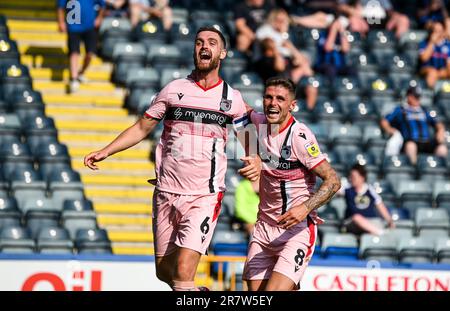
column 213, row 29
column 360, row 169
column 283, row 82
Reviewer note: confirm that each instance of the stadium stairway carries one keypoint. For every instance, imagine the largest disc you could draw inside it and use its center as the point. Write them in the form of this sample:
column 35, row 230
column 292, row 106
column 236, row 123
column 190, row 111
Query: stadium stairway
column 86, row 121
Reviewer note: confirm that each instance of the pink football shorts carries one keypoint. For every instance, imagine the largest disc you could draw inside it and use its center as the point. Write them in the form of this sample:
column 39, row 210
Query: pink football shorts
column 285, row 251
column 186, row 221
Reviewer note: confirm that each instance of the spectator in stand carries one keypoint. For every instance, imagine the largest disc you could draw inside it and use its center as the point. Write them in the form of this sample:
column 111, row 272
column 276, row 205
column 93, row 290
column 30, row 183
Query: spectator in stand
column 373, row 13
column 248, row 16
column 273, row 64
column 434, row 55
column 431, row 11
column 82, row 29
column 116, row 8
column 313, row 13
column 142, row 10
column 363, row 204
column 412, row 120
column 247, row 201
column 332, row 47
column 277, row 29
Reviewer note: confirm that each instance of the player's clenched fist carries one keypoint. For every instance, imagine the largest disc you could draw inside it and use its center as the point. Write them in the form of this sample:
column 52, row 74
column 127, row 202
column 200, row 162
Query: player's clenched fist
column 252, row 168
column 293, row 216
column 93, row 157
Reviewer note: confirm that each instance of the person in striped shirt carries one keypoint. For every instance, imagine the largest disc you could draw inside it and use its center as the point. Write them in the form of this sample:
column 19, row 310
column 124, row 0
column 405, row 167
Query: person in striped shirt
column 413, row 121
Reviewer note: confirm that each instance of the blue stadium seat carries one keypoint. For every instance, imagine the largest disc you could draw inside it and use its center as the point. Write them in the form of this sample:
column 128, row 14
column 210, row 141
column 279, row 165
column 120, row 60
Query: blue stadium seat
column 397, row 167
column 379, row 248
column 16, row 240
column 347, row 88
column 13, row 78
column 39, row 125
column 328, row 112
column 168, row 75
column 248, row 81
column 362, row 114
column 441, row 193
column 113, row 30
column 26, row 102
column 54, row 240
column 127, row 55
column 150, row 32
column 332, row 221
column 341, row 134
column 10, row 215
column 381, row 39
column 135, row 99
column 142, row 78
column 10, row 125
column 442, row 249
column 415, row 250
column 413, row 191
column 163, row 56
column 78, row 214
column 432, row 220
column 431, row 168
column 9, row 54
column 39, row 213
column 93, row 241
column 339, row 246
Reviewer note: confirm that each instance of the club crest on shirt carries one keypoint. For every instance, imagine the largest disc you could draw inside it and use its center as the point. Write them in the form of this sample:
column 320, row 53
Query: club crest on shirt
column 312, row 149
column 286, row 152
column 225, row 104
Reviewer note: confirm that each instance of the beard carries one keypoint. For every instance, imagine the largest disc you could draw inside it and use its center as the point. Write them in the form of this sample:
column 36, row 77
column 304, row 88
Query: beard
column 203, row 68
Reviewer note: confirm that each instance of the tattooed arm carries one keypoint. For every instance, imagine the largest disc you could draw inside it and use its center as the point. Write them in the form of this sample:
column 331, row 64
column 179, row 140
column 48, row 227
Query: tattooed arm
column 331, row 184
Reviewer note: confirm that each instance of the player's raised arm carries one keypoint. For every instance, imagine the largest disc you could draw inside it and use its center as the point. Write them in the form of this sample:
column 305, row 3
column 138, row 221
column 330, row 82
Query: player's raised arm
column 331, row 184
column 128, row 138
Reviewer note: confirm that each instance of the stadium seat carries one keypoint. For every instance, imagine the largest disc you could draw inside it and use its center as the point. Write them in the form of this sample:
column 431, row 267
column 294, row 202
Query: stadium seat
column 13, row 153
column 113, row 30
column 93, row 241
column 412, row 190
column 16, row 240
column 127, row 55
column 381, row 39
column 341, row 134
column 163, row 56
column 78, row 214
column 54, row 240
column 27, row 189
column 328, row 112
column 431, row 168
column 133, row 100
column 339, row 204
column 347, row 88
column 441, row 192
column 168, row 75
column 26, row 102
column 339, row 246
column 321, row 132
column 415, row 250
column 61, row 191
column 39, row 125
column 9, row 54
column 442, row 90
column 248, row 81
column 332, row 221
column 10, row 215
column 144, row 102
column 345, row 151
column 142, row 78
column 380, row 248
column 254, row 99
column 150, row 32
column 35, row 141
column 431, row 220
column 442, row 249
column 397, row 167
column 317, row 81
column 10, row 125
column 381, row 88
column 13, row 78
column 39, row 213
column 182, row 32
column 362, row 114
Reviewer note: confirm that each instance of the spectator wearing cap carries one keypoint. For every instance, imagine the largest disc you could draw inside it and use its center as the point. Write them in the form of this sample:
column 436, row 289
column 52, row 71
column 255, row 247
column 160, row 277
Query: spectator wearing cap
column 434, row 54
column 363, row 203
column 413, row 121
column 80, row 29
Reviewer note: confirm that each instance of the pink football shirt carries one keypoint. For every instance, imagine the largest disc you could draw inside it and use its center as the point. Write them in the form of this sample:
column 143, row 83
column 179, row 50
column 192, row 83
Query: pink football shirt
column 190, row 156
column 288, row 158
